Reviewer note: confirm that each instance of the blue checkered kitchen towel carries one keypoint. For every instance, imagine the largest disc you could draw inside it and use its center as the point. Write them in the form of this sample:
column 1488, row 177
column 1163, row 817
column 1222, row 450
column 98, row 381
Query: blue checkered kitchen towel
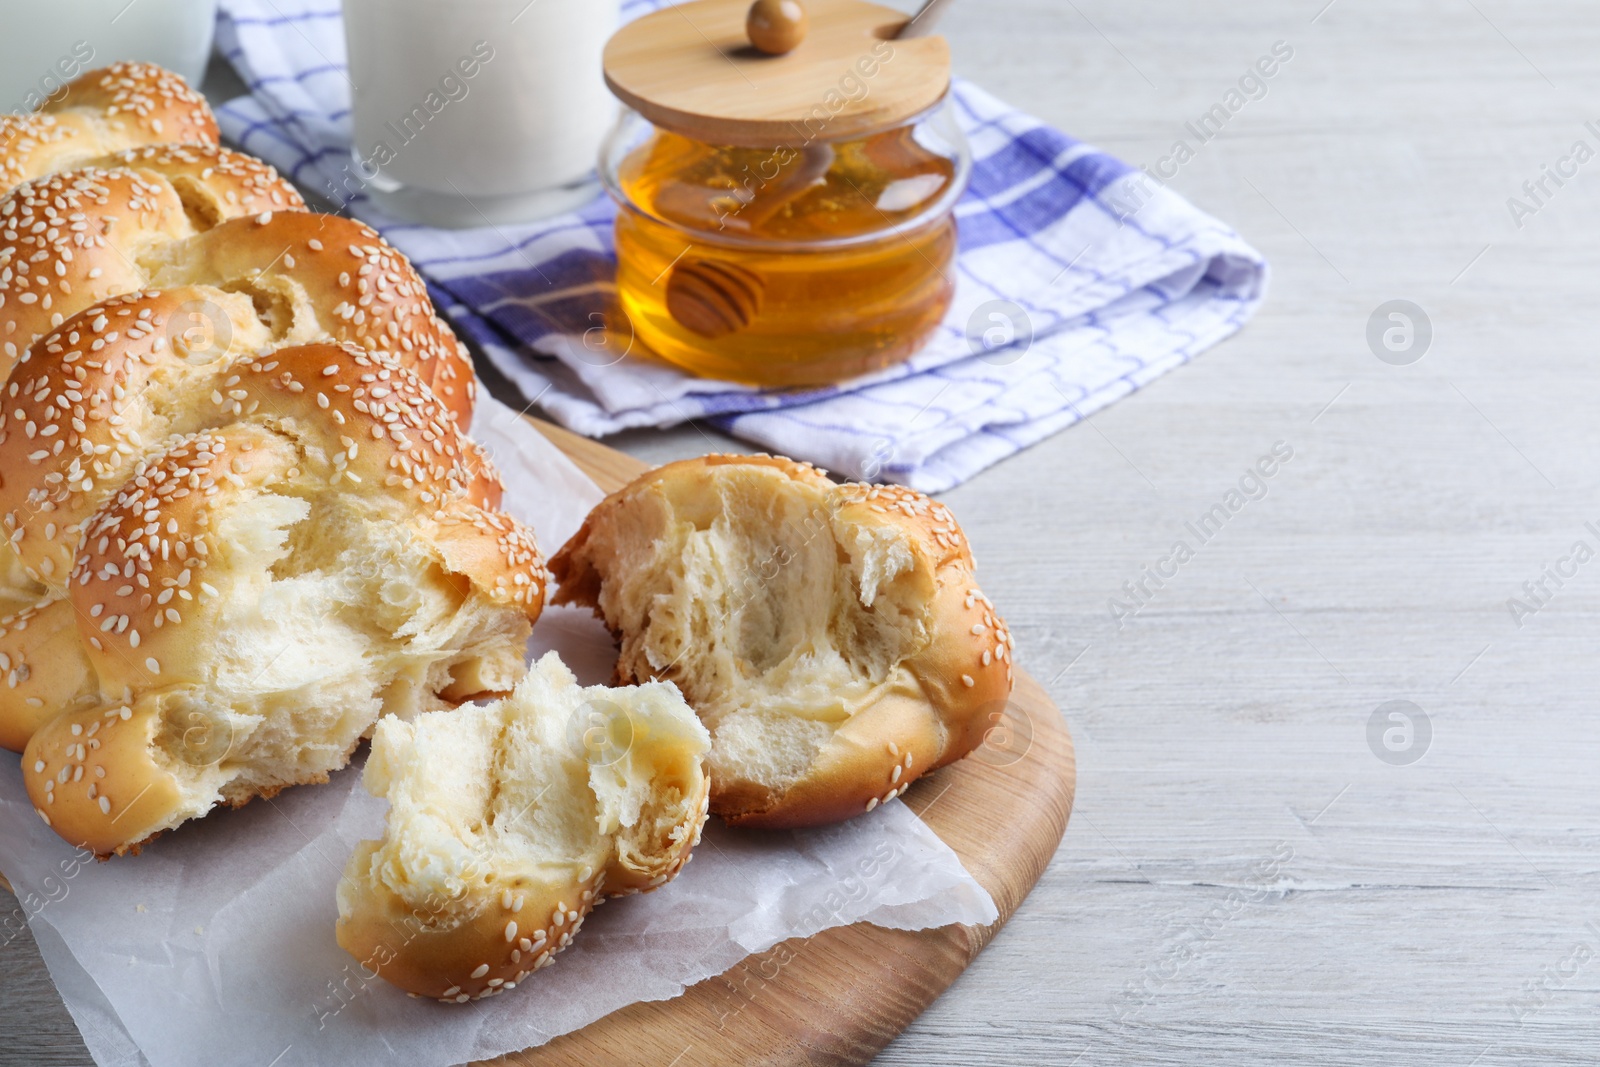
column 1118, row 281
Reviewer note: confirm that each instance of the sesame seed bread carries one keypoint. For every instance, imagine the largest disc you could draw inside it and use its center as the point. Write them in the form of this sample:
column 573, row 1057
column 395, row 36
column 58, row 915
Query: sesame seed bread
column 322, row 277
column 255, row 593
column 214, row 183
column 75, row 239
column 133, row 371
column 509, row 822
column 121, row 106
column 831, row 637
column 45, row 668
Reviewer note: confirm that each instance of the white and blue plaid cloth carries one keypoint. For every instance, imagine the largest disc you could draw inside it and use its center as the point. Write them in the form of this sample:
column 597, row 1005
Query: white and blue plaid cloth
column 1116, row 280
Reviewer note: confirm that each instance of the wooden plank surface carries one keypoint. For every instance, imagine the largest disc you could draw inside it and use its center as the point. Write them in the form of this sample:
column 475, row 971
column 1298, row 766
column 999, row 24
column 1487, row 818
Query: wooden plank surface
column 1424, row 900
column 1422, row 914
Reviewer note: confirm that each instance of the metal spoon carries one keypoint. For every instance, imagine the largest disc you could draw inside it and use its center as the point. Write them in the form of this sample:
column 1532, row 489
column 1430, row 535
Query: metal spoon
column 923, row 22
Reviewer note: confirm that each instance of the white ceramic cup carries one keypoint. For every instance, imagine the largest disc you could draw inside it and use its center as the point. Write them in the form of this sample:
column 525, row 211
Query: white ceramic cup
column 46, row 43
column 477, row 112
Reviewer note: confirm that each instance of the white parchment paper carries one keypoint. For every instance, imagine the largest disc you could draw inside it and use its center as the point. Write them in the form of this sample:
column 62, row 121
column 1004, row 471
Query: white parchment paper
column 215, row 947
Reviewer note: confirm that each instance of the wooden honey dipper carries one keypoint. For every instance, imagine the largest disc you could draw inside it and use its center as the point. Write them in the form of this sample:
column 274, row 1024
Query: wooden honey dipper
column 714, row 298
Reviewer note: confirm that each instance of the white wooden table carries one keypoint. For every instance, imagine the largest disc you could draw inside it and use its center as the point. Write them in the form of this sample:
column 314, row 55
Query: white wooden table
column 1245, row 880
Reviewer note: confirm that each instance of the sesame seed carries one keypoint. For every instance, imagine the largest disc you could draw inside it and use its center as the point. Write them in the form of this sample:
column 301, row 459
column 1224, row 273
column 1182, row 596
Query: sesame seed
column 483, row 969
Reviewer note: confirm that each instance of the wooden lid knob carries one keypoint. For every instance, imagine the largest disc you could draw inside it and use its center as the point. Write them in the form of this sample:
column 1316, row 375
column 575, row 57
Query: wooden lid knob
column 696, row 69
column 776, row 26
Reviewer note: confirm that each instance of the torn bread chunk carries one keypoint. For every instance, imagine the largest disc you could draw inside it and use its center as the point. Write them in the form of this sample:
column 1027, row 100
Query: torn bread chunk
column 831, row 637
column 508, row 822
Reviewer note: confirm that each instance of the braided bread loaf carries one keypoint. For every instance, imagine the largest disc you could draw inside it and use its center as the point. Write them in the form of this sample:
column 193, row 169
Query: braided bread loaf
column 125, row 105
column 183, row 216
column 72, row 239
column 86, row 401
column 314, row 548
column 232, row 562
column 81, row 237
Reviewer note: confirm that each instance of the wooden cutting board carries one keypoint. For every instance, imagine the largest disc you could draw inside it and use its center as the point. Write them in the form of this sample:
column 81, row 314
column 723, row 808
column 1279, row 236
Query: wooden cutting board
column 841, row 996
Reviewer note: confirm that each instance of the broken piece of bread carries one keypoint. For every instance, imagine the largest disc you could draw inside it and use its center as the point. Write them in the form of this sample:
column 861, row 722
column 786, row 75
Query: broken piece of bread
column 831, row 637
column 509, row 822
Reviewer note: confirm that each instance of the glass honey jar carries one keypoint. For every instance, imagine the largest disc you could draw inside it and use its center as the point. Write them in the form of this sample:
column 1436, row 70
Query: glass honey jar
column 783, row 220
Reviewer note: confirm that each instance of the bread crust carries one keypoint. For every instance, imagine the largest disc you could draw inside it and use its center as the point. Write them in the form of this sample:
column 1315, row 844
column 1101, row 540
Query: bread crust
column 348, row 283
column 79, row 238
column 44, row 668
column 94, row 780
column 507, row 921
column 313, row 418
column 149, row 102
column 934, row 708
column 223, row 184
column 518, row 928
column 456, row 963
column 108, row 109
column 128, row 378
column 126, row 161
column 80, row 234
column 74, row 239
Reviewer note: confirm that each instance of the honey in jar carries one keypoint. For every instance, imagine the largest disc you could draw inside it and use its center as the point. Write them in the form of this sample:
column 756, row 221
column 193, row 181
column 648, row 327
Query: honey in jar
column 794, row 250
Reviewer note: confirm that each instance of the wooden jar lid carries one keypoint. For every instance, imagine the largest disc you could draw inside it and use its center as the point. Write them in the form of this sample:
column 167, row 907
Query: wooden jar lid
column 691, row 69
